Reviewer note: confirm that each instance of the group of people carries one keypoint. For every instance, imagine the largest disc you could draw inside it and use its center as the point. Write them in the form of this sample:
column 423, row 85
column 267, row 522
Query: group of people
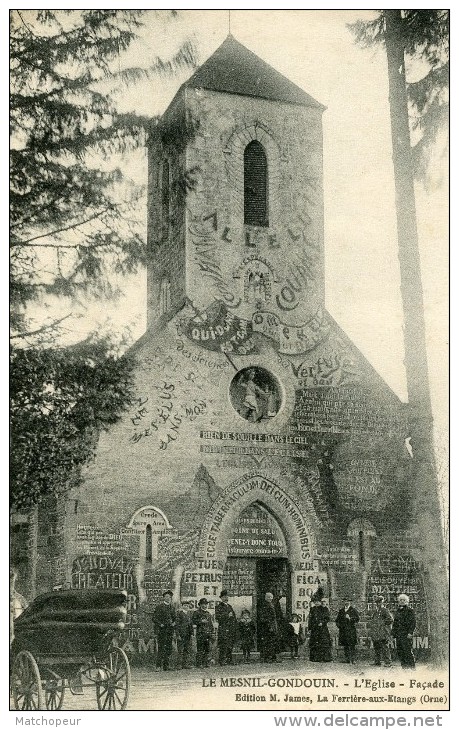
column 197, row 627
column 382, row 628
column 194, row 631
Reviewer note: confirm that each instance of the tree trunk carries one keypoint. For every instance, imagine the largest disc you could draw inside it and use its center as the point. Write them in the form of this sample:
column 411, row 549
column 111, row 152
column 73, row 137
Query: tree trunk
column 425, row 485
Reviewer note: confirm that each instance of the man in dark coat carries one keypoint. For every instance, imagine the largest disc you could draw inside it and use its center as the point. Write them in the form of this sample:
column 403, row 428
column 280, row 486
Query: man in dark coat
column 203, row 628
column 380, row 631
column 319, row 639
column 227, row 629
column 268, row 629
column 346, row 621
column 184, row 632
column 402, row 630
column 164, row 619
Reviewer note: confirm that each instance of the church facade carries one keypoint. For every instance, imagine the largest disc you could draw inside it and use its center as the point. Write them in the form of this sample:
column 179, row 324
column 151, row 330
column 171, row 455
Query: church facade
column 262, row 451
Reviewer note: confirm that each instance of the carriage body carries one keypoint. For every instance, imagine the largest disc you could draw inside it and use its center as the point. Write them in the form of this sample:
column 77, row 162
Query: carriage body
column 65, row 639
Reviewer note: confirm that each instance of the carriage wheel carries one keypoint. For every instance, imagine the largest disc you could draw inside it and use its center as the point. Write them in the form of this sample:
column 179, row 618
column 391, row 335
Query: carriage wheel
column 26, row 682
column 54, row 693
column 112, row 693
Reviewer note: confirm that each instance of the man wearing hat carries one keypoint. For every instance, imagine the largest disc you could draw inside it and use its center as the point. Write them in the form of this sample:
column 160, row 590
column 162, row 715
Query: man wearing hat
column 203, row 628
column 346, row 621
column 164, row 619
column 403, row 629
column 227, row 629
column 380, row 631
column 268, row 629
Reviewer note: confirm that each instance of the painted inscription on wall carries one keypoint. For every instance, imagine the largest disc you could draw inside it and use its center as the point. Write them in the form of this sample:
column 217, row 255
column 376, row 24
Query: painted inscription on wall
column 292, row 339
column 149, row 524
column 261, row 444
column 104, row 572
column 120, row 572
column 204, row 234
column 347, row 409
column 395, row 574
column 359, row 479
column 339, row 557
column 255, row 533
column 212, row 527
column 203, row 580
column 155, row 582
column 219, row 330
column 305, row 582
column 92, row 540
column 240, row 577
column 299, row 281
column 333, row 368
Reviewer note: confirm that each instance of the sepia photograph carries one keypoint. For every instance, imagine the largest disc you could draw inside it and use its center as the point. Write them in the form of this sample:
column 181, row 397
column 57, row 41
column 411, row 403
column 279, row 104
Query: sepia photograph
column 229, row 407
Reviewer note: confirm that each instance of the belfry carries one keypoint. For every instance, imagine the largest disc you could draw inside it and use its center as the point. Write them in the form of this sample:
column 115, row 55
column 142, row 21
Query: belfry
column 262, row 451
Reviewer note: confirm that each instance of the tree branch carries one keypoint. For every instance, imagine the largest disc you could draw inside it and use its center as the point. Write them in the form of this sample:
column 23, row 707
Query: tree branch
column 25, row 24
column 28, row 241
column 40, row 329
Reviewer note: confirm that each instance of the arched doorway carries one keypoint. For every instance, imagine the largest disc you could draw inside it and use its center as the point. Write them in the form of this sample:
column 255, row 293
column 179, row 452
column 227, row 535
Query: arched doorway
column 256, row 539
column 257, row 562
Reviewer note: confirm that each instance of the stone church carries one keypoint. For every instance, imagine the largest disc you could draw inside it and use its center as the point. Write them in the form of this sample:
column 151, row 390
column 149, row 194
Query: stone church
column 262, row 451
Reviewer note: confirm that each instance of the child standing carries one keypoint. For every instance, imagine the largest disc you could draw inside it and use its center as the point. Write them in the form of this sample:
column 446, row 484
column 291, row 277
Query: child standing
column 246, row 634
column 296, row 635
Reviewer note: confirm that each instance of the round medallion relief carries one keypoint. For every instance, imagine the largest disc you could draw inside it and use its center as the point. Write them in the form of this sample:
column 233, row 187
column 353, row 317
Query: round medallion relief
column 255, row 394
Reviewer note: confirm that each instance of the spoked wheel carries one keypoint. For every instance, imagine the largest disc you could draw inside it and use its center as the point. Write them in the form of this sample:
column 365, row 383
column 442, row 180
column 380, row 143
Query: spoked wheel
column 26, row 682
column 54, row 692
column 112, row 692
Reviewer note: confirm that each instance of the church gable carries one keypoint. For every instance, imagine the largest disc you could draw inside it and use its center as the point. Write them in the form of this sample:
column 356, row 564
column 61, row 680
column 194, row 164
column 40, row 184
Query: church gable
column 217, row 394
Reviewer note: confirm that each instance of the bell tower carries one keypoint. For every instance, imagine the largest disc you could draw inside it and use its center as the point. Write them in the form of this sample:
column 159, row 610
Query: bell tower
column 235, row 211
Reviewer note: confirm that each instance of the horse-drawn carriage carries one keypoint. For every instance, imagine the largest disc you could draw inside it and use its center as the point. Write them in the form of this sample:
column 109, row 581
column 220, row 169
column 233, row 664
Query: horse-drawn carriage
column 64, row 640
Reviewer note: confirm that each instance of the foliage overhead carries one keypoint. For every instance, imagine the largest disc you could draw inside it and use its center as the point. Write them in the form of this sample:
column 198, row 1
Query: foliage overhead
column 425, row 38
column 60, row 401
column 74, row 221
column 74, row 217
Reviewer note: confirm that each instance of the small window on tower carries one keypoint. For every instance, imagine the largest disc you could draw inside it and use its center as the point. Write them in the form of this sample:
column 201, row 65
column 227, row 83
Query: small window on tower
column 255, row 185
column 166, row 197
column 165, row 297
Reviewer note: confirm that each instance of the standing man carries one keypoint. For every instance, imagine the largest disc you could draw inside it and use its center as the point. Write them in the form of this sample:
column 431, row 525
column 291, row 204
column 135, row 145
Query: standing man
column 164, row 619
column 346, row 621
column 227, row 629
column 402, row 630
column 268, row 629
column 380, row 630
column 184, row 632
column 203, row 628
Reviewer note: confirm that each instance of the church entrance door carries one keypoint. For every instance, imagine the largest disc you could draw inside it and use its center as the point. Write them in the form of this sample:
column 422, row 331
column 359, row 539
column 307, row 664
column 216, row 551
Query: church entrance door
column 274, row 576
column 257, row 563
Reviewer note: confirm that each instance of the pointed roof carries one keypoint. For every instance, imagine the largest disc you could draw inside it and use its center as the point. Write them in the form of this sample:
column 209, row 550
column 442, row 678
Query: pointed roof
column 234, row 69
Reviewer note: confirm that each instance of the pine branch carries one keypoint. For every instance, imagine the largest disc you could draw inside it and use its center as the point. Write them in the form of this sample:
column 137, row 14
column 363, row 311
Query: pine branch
column 40, row 330
column 71, row 227
column 25, row 24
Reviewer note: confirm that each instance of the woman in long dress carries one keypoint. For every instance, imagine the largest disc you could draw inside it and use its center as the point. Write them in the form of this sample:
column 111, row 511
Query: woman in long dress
column 319, row 636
